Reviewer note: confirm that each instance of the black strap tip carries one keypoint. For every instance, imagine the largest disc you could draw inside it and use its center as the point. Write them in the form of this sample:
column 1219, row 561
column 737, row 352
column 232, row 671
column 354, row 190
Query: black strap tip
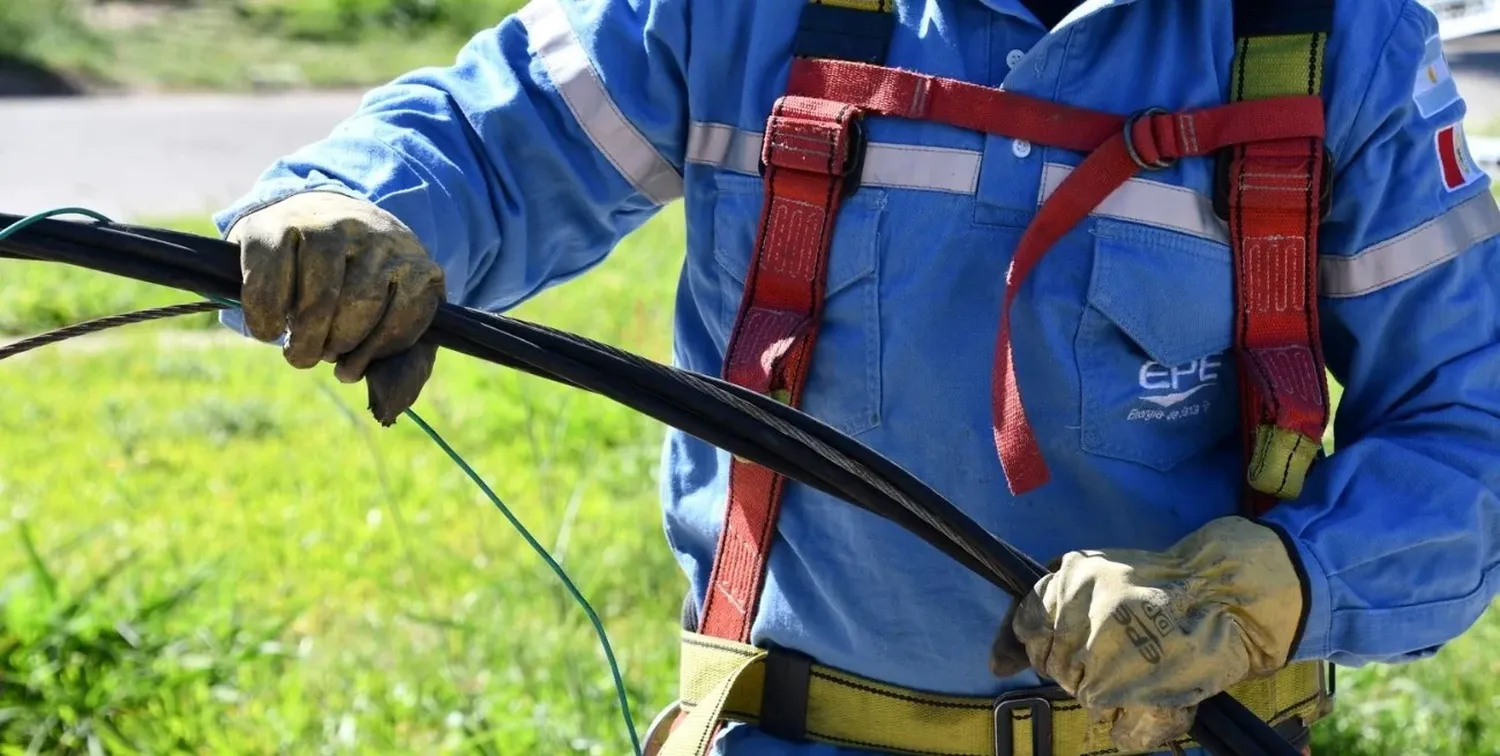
column 783, row 703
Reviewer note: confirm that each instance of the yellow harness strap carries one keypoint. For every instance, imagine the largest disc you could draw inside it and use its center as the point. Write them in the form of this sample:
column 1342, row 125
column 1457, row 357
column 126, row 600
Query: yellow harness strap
column 725, row 682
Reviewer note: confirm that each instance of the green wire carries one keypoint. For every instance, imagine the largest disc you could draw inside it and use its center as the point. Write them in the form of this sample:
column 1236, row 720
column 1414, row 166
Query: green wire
column 541, row 551
column 562, row 575
column 44, row 215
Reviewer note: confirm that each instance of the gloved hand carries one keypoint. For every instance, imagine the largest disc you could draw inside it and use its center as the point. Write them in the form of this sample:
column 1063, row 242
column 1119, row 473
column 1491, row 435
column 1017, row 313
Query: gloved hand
column 349, row 284
column 1140, row 638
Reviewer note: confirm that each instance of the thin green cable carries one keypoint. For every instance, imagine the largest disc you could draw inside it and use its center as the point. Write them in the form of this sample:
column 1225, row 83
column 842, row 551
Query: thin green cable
column 562, row 575
column 44, row 215
column 541, row 551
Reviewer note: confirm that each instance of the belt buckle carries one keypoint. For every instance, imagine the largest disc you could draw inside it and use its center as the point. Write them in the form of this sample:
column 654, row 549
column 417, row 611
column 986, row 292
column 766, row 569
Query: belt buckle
column 1134, row 152
column 1039, row 702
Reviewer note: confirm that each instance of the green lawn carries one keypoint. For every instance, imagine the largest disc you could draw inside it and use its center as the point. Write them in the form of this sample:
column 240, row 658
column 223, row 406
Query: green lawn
column 38, row 296
column 418, row 620
column 238, row 45
column 357, row 594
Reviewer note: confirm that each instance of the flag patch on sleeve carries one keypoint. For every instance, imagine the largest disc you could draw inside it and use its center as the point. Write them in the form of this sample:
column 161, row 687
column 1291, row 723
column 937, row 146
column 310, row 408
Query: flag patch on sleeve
column 1458, row 166
column 1434, row 88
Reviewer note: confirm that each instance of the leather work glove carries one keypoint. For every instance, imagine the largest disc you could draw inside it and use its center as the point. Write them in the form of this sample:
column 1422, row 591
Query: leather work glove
column 1140, row 637
column 347, row 283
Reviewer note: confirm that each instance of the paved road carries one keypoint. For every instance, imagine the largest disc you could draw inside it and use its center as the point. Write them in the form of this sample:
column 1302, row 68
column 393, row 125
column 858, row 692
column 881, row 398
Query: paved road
column 151, row 156
column 135, row 157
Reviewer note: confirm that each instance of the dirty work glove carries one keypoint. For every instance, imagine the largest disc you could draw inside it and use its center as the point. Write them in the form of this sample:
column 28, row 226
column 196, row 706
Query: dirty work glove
column 349, row 284
column 1139, row 638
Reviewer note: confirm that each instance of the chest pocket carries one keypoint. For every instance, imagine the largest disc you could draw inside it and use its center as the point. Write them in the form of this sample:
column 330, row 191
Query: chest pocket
column 1153, row 347
column 843, row 387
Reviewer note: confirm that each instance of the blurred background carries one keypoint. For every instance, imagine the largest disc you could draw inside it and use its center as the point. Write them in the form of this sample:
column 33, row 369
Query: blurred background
column 202, row 551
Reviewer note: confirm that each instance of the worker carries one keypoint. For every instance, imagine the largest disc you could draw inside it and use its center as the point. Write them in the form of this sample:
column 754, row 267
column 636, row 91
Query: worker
column 1079, row 266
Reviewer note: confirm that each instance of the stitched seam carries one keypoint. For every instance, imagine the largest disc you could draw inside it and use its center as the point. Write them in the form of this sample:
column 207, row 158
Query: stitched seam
column 900, row 696
column 702, row 644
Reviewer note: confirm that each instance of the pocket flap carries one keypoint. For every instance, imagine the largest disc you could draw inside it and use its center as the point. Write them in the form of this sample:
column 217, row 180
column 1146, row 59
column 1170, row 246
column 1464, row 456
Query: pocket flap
column 1171, row 293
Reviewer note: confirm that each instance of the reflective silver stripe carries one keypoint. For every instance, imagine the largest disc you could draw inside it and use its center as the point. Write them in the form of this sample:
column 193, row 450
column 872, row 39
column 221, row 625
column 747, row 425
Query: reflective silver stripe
column 1422, row 248
column 904, row 166
column 724, row 146
column 567, row 64
column 1141, row 200
column 1152, row 203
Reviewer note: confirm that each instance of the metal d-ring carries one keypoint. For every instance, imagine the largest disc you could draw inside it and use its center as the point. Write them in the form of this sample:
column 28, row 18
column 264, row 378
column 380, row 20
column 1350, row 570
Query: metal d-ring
column 661, row 727
column 1135, row 155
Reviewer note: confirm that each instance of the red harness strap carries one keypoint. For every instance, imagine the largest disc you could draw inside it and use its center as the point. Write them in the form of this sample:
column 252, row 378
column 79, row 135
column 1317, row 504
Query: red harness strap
column 809, row 145
column 1274, row 209
column 807, row 150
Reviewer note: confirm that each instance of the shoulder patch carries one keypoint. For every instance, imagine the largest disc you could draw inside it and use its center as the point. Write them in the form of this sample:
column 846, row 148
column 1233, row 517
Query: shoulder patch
column 1434, row 88
column 1457, row 163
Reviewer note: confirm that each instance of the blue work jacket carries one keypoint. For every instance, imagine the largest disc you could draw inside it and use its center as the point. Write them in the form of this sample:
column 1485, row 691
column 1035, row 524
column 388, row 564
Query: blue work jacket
column 570, row 123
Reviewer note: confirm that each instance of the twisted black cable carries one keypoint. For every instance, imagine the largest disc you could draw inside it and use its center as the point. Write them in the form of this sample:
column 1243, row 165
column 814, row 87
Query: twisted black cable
column 103, row 324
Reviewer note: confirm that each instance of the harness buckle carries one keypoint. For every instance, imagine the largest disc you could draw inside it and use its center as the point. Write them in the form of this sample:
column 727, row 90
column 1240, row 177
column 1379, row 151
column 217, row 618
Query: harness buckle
column 1135, row 153
column 854, row 163
column 1221, row 184
column 1039, row 702
column 854, row 157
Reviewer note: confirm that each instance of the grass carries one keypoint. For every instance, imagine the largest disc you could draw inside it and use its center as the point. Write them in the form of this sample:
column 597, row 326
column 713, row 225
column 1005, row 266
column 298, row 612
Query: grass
column 418, row 622
column 81, row 663
column 240, row 45
column 39, row 296
column 351, row 591
column 30, row 29
column 1445, row 705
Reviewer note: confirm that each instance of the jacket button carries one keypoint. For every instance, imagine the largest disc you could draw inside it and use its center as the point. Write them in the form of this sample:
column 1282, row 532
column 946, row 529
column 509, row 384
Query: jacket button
column 1021, row 148
column 1013, row 58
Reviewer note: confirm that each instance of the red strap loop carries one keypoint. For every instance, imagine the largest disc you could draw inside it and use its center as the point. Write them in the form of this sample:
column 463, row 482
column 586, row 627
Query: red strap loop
column 766, row 337
column 816, row 145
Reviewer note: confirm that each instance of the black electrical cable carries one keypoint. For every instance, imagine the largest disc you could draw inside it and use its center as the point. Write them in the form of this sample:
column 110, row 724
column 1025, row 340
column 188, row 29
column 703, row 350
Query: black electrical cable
column 653, row 389
column 102, row 324
column 740, row 421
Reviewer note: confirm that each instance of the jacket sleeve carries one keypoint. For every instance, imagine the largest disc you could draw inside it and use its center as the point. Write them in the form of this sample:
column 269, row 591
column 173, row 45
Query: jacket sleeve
column 1398, row 531
column 552, row 136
